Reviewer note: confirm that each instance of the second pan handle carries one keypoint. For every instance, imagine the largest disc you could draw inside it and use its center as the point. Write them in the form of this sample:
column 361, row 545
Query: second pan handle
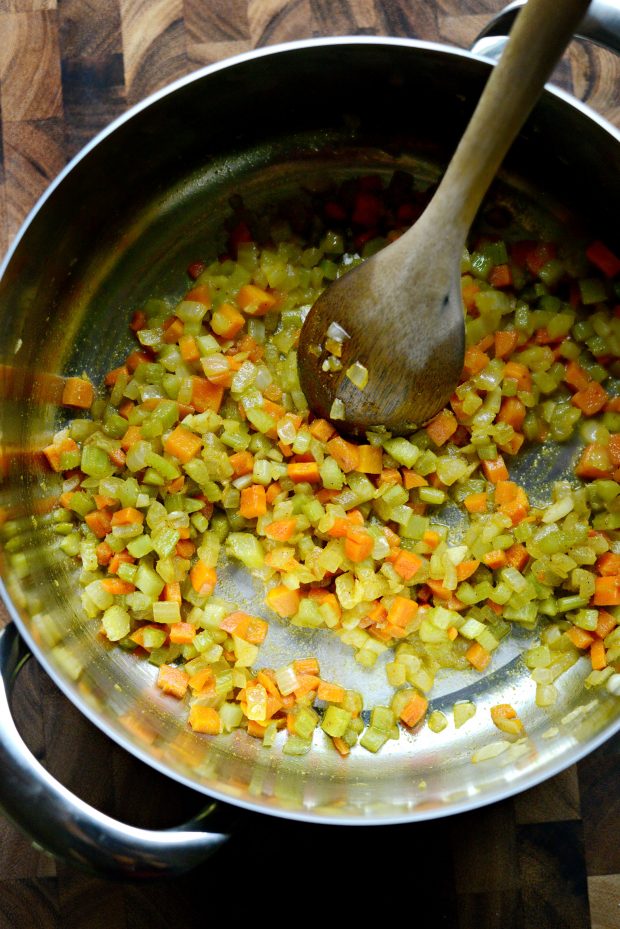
column 66, row 827
column 600, row 25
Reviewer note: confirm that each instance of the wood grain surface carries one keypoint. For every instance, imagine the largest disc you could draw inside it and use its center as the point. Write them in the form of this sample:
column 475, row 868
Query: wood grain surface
column 547, row 859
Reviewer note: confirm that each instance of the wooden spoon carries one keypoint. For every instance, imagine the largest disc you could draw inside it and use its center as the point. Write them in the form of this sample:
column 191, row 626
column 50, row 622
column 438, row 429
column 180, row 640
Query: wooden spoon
column 399, row 315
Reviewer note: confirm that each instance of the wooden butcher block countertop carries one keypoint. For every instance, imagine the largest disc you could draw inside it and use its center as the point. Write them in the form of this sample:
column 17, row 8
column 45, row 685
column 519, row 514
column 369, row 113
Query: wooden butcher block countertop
column 546, row 859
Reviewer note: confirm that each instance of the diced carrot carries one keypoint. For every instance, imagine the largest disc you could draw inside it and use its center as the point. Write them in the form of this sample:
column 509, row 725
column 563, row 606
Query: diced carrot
column 117, row 456
column 500, row 276
column 431, row 538
column 182, row 633
column 503, row 711
column 496, row 607
column 266, row 677
column 597, row 655
column 517, row 556
column 401, row 611
column 341, row 746
column 345, row 453
column 183, row 444
column 306, row 684
column 104, row 553
column 580, row 637
column 370, row 459
column 273, row 490
column 603, row 258
column 442, row 427
column 476, row 503
column 607, row 591
column 200, row 294
column 468, row 293
column 457, row 406
column 390, row 476
column 138, row 321
column 117, row 586
column 172, row 592
column 254, row 300
column 275, row 410
column 512, row 411
column 439, row 591
column 517, row 508
column 495, row 470
column 513, row 445
column 281, row 530
column 414, row 710
column 125, row 408
column 54, row 451
column 608, row 563
column 203, row 579
column 474, row 362
column 324, row 597
column 206, row 395
column 410, row 479
column 205, row 719
column 539, row 254
column 576, row 377
column 173, row 681
column 202, row 681
column 466, row 568
column 406, row 564
column 242, row 463
column 119, row 558
column 227, row 321
column 253, row 501
column 505, row 342
column 176, row 486
column 237, row 622
column 302, row 471
column 65, row 499
column 505, row 491
column 478, row 656
column 331, row 693
column 307, row 666
column 283, row 601
column 102, row 502
column 137, row 358
column 188, row 348
column 594, row 462
column 257, row 630
column 495, row 559
column 606, row 623
column 99, row 522
column 591, row 399
column 128, row 516
column 133, row 435
column 515, row 371
column 112, row 376
column 78, row 392
column 173, row 330
column 358, row 544
column 322, row 430
column 255, row 729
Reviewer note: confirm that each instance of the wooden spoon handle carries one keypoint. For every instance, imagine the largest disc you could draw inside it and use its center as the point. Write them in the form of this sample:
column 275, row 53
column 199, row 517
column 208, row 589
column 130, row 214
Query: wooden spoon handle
column 541, row 32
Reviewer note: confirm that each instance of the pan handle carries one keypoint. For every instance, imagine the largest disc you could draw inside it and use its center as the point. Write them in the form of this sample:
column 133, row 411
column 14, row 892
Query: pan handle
column 601, row 25
column 66, row 827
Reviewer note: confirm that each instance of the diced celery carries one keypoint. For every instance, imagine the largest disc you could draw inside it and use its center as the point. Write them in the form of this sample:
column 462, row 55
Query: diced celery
column 116, row 623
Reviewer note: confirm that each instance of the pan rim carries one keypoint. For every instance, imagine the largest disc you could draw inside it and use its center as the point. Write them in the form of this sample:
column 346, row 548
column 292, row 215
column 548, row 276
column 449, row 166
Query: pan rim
column 574, row 753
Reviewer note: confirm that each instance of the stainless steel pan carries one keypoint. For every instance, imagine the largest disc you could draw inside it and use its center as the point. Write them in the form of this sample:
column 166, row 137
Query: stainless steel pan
column 140, row 202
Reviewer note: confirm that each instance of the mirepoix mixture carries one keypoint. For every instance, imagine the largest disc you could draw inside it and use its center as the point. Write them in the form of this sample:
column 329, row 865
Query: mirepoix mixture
column 200, row 447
